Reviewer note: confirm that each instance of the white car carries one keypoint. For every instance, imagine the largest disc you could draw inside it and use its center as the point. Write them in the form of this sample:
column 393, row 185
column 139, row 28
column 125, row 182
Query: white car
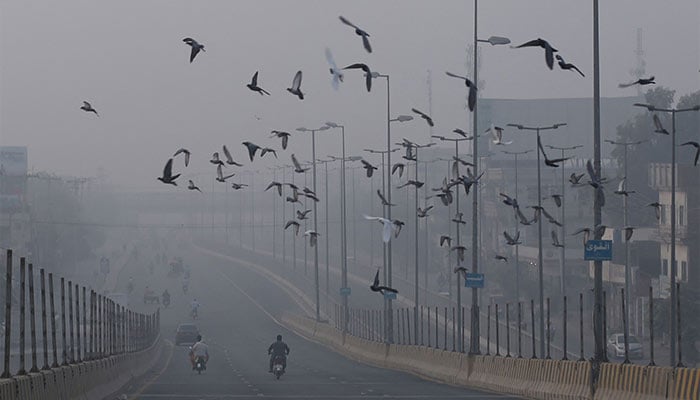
column 616, row 346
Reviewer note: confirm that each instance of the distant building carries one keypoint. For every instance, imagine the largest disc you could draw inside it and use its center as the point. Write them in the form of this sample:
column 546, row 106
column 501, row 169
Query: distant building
column 14, row 216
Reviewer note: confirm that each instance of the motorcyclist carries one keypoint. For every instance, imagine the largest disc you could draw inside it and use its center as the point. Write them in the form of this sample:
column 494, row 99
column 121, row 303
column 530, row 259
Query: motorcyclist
column 194, row 306
column 166, row 297
column 278, row 349
column 130, row 285
column 199, row 350
column 185, row 285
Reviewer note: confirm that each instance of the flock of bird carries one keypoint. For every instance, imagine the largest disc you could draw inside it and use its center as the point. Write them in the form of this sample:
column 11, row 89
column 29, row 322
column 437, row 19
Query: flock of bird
column 446, row 192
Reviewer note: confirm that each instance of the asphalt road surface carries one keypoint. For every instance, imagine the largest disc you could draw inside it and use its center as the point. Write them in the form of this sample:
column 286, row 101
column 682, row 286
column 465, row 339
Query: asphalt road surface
column 237, row 320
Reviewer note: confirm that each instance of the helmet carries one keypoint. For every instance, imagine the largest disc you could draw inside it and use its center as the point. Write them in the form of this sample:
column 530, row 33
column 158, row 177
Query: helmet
column 199, row 338
column 279, row 337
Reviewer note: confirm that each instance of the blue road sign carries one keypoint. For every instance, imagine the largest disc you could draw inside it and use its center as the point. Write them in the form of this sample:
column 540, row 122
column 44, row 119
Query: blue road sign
column 598, row 250
column 345, row 291
column 474, row 280
column 390, row 295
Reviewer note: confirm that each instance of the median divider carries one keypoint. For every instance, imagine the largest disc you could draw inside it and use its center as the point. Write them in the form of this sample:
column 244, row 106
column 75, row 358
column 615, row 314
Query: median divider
column 684, row 384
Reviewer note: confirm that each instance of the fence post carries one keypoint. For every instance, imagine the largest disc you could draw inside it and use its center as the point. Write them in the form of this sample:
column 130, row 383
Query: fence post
column 678, row 311
column 624, row 326
column 454, row 330
column 520, row 330
column 429, row 322
column 498, row 336
column 85, row 325
column 445, row 331
column 93, row 318
column 532, row 327
column 421, row 326
column 32, row 316
column 22, row 319
column 507, row 329
column 605, row 324
column 8, row 315
column 70, row 322
column 77, row 323
column 488, row 330
column 44, row 330
column 53, row 322
column 408, row 325
column 63, row 321
column 98, row 328
column 549, row 332
column 565, row 331
column 651, row 326
column 462, row 331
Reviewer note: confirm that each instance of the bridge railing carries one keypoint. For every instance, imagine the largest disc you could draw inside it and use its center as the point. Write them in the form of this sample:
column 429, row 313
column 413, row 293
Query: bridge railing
column 68, row 322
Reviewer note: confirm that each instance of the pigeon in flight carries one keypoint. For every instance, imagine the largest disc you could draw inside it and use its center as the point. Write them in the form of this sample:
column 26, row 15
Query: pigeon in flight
column 186, row 153
column 567, row 66
column 586, row 234
column 275, row 184
column 368, row 73
column 268, row 150
column 512, row 240
column 463, row 162
column 641, row 82
column 191, row 186
column 196, row 47
column 252, row 149
column 550, row 162
column 509, row 201
column 471, row 98
column 464, row 134
column 376, row 287
column 229, row 159
column 629, row 231
column 238, row 186
column 297, row 167
column 311, row 196
column 445, row 239
column 220, row 174
column 359, row 32
column 335, row 71
column 411, row 182
column 469, row 180
column 293, row 223
column 398, row 167
column 555, row 239
column 87, row 107
column 313, row 237
column 302, row 215
column 168, row 177
column 308, row 191
column 253, row 85
column 284, row 136
column 458, row 219
column 575, row 179
column 215, row 159
column 622, row 188
column 697, row 150
column 383, row 199
column 557, row 199
column 410, row 154
column 388, row 227
column 548, row 50
column 501, row 258
column 368, row 167
column 425, row 116
column 398, row 225
column 462, row 270
column 296, row 86
column 423, row 212
column 659, row 128
column 657, row 209
column 445, row 197
column 523, row 220
column 460, row 252
column 497, row 133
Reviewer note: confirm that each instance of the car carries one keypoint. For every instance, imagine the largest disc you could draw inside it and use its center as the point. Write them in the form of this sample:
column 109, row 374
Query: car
column 616, row 346
column 186, row 334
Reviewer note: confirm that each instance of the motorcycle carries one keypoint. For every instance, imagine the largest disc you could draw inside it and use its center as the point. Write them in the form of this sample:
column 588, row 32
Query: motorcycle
column 194, row 314
column 200, row 364
column 166, row 301
column 184, row 288
column 278, row 366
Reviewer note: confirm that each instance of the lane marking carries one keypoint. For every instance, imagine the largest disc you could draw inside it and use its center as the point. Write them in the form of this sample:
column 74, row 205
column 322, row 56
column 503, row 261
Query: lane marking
column 150, row 381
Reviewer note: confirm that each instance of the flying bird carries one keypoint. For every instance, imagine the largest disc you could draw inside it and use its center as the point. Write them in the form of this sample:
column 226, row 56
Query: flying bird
column 368, row 167
column 302, row 215
column 463, row 134
column 462, row 270
column 471, row 98
column 548, row 50
column 622, row 188
column 398, row 225
column 368, row 73
column 445, row 239
column 275, row 184
column 359, row 32
column 657, row 209
column 509, row 201
column 555, row 239
column 87, row 107
column 252, row 149
column 445, row 197
column 501, row 258
column 313, row 237
column 296, row 86
column 238, row 186
column 423, row 212
column 388, row 227
column 168, row 177
column 229, row 159
column 383, row 199
column 460, row 253
column 284, row 136
column 586, row 234
column 186, row 153
column 425, row 116
column 410, row 153
column 268, row 150
column 376, row 287
column 297, row 167
column 497, row 133
column 575, row 179
column 523, row 220
column 335, row 71
column 458, row 219
column 567, row 66
column 215, row 159
column 398, row 167
column 196, row 47
column 550, row 162
column 411, row 182
column 220, row 174
column 557, row 199
column 253, row 85
column 629, row 231
column 697, row 150
column 293, row 223
column 641, row 82
column 658, row 127
column 191, row 186
column 512, row 240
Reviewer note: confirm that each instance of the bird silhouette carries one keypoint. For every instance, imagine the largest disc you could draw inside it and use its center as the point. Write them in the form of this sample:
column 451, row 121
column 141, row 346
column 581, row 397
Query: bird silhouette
column 425, row 116
column 369, row 168
column 196, row 47
column 641, row 82
column 186, row 153
column 629, row 231
column 368, row 73
column 658, row 127
column 192, row 186
column 267, row 150
column 296, row 86
column 302, row 215
column 398, row 167
column 622, row 188
column 555, row 239
column 567, row 66
column 548, row 50
column 238, row 186
column 383, row 199
column 557, row 199
column 497, row 133
column 220, row 174
column 575, row 179
column 229, row 158
column 471, row 97
column 277, row 185
column 411, row 182
column 215, row 159
column 253, row 85
column 284, row 136
column 512, row 240
column 359, row 32
column 388, row 227
column 697, row 150
column 252, row 149
column 445, row 239
column 376, row 287
column 168, row 177
column 293, row 223
column 423, row 212
column 297, row 167
column 460, row 252
column 550, row 162
column 657, row 209
column 88, row 108
column 501, row 258
column 313, row 237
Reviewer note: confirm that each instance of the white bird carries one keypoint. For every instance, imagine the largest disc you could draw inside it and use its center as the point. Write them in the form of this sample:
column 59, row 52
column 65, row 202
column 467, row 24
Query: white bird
column 335, row 71
column 313, row 237
column 220, row 174
column 88, row 108
column 497, row 133
column 388, row 227
column 622, row 189
column 296, row 86
column 196, row 47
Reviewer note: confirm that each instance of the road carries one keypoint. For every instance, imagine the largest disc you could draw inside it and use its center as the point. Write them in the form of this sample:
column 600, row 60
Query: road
column 238, row 320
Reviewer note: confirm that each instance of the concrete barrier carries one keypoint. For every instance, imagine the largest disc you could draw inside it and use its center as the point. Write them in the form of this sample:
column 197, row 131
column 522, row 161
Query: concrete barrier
column 684, row 384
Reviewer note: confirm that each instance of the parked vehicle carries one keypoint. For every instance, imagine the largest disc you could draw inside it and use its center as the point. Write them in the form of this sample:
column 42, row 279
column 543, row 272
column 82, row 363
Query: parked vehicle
column 616, row 346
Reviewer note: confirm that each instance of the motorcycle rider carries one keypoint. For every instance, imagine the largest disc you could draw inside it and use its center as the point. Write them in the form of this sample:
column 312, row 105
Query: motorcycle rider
column 166, row 297
column 199, row 350
column 278, row 349
column 194, row 308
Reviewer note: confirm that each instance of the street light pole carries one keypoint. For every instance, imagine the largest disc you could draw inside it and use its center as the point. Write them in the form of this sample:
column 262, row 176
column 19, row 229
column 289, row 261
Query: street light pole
column 517, row 223
column 674, row 294
column 540, row 260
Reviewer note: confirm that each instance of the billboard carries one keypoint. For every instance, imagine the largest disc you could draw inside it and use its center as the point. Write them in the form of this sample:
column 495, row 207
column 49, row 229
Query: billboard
column 13, row 160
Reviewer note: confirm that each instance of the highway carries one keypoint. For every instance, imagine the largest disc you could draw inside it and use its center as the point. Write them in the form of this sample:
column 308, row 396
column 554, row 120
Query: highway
column 238, row 321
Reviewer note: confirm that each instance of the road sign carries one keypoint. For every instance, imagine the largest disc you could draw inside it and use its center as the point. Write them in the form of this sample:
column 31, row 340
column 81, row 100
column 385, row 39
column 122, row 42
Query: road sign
column 598, row 250
column 390, row 295
column 345, row 291
column 474, row 280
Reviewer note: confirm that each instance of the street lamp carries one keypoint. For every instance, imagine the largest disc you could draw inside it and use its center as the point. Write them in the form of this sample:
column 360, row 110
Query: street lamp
column 539, row 225
column 459, row 281
column 493, row 40
column 562, row 229
column 313, row 157
column 517, row 222
column 674, row 320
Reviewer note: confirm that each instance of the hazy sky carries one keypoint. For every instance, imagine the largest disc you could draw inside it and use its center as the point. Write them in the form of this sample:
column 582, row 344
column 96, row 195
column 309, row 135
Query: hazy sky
column 128, row 59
